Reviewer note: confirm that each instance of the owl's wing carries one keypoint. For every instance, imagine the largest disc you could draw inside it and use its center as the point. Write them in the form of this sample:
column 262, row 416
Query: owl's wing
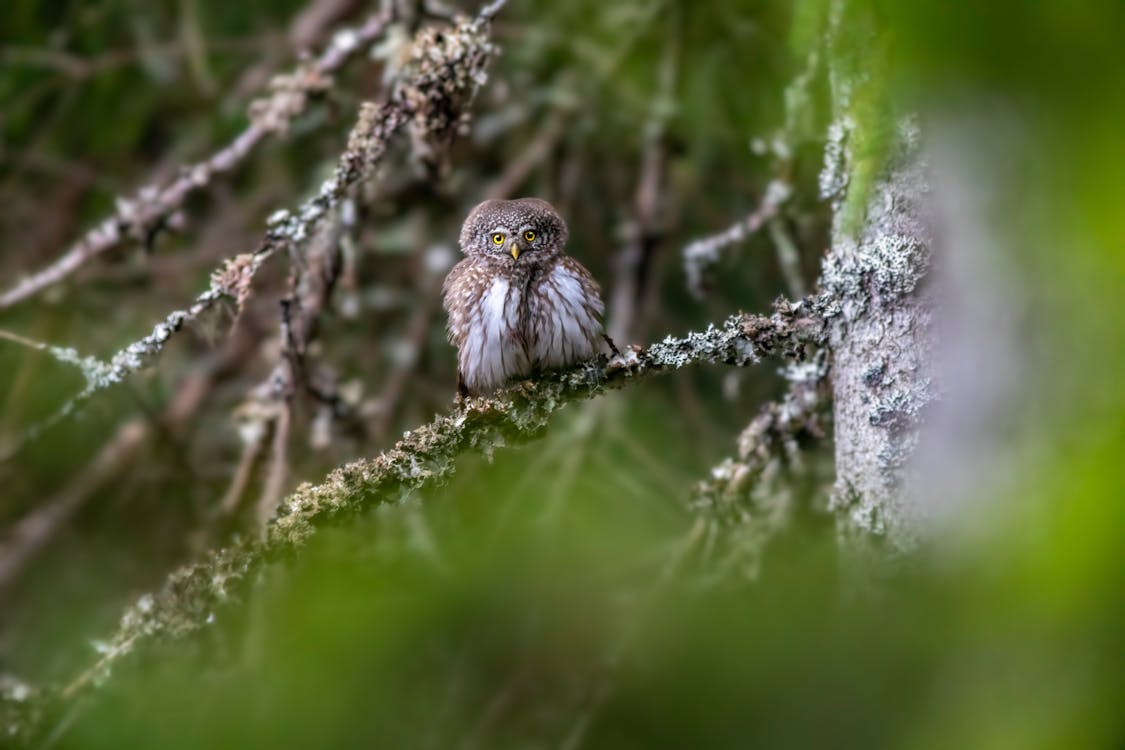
column 591, row 291
column 460, row 293
column 456, row 298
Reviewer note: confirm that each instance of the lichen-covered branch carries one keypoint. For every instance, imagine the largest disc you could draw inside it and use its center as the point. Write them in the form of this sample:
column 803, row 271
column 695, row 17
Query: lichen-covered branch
column 427, row 455
column 772, row 437
column 101, row 375
column 143, row 214
column 430, row 97
column 774, row 476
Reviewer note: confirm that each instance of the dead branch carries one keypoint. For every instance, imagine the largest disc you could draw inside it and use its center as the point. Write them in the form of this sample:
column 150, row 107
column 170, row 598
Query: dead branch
column 787, row 256
column 703, row 254
column 311, row 281
column 28, row 536
column 431, row 96
column 278, row 474
column 427, row 455
column 488, row 12
column 143, row 214
column 552, row 130
column 417, row 328
column 634, row 261
column 101, row 375
column 773, row 435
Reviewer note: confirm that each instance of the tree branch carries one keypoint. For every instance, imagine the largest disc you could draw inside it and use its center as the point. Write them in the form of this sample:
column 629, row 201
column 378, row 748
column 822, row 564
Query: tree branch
column 427, row 455
column 703, row 254
column 25, row 538
column 430, row 97
column 771, row 436
column 141, row 215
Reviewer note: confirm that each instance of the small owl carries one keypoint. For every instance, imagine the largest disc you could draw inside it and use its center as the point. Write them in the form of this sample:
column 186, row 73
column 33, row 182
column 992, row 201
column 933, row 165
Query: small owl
column 518, row 304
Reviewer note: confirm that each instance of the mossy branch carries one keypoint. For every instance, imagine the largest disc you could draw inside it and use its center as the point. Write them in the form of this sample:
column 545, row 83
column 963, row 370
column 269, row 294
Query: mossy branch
column 772, row 437
column 426, row 456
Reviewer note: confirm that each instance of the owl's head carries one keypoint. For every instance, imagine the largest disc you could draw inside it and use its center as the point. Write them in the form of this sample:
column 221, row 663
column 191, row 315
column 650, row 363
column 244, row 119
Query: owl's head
column 524, row 231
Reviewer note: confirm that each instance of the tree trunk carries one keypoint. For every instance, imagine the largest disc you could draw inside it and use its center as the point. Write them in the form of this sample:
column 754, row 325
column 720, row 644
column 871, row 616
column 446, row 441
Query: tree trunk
column 881, row 340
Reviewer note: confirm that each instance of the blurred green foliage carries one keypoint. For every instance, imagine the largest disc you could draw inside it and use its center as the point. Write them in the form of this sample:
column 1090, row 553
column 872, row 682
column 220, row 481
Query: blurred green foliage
column 556, row 596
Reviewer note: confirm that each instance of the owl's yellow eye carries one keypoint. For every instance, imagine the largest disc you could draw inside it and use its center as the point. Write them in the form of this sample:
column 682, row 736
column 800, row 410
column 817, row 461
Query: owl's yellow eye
column 498, row 239
column 529, row 236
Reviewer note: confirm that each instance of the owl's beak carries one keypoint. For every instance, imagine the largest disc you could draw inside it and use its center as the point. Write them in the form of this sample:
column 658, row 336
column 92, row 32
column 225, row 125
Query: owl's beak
column 514, row 248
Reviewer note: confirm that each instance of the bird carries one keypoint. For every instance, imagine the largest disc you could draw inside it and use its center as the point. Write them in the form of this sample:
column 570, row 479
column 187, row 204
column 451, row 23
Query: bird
column 517, row 304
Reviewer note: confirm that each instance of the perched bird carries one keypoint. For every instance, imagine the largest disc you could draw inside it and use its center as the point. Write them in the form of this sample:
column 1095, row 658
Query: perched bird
column 517, row 303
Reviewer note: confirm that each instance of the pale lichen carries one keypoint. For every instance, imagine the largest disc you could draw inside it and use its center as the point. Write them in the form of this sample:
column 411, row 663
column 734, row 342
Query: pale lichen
column 21, row 707
column 195, row 595
column 834, row 174
column 881, row 343
column 432, row 95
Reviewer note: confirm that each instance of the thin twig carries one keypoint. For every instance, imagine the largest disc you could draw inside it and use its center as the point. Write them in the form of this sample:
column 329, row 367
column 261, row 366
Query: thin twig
column 634, row 261
column 773, row 434
column 31, row 533
column 788, row 257
column 142, row 214
column 28, row 536
column 539, row 148
column 445, row 71
column 278, row 473
column 703, row 254
column 251, row 449
column 396, row 382
column 489, row 11
column 101, row 375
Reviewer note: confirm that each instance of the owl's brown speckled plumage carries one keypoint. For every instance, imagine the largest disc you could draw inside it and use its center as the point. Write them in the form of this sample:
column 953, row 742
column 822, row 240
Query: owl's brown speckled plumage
column 517, row 303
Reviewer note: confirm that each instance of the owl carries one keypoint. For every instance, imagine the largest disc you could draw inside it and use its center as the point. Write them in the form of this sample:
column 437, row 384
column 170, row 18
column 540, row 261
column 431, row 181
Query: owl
column 517, row 303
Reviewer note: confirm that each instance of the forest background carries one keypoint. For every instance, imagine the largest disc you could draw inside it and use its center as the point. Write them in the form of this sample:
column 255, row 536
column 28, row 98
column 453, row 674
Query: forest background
column 222, row 234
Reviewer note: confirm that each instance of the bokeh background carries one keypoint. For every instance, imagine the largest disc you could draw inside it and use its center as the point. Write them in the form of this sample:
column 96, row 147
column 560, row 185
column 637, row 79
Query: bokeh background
column 554, row 595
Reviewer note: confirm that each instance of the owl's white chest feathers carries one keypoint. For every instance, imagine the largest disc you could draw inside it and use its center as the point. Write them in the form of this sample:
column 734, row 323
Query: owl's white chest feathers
column 493, row 350
column 522, row 324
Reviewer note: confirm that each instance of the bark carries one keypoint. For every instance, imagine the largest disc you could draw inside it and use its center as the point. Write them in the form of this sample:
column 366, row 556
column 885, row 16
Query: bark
column 882, row 342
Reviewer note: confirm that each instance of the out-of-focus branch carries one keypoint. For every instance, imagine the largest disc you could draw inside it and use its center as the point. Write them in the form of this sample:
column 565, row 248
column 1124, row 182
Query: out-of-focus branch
column 30, row 534
column 312, row 278
column 445, row 68
column 24, row 539
column 101, row 375
column 703, row 254
column 634, row 261
column 143, row 214
column 489, row 11
column 428, row 454
column 317, row 17
column 395, row 383
column 773, row 435
column 278, row 473
column 788, row 256
column 550, row 132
